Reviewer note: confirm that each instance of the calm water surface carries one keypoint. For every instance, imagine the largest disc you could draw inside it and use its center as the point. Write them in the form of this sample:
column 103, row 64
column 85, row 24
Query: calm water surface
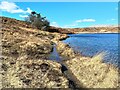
column 92, row 44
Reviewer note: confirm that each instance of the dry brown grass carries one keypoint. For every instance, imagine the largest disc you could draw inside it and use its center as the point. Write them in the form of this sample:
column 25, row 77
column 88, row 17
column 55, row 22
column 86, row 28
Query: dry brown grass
column 93, row 73
column 24, row 50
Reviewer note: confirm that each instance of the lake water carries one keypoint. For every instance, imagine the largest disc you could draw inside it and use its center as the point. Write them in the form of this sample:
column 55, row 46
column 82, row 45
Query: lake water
column 55, row 55
column 92, row 44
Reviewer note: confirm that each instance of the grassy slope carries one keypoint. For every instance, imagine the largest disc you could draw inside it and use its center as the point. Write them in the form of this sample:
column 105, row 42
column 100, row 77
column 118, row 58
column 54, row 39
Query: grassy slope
column 89, row 72
column 20, row 39
column 24, row 54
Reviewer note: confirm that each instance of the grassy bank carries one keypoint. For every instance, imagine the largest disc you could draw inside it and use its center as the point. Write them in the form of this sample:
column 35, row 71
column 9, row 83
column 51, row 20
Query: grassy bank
column 25, row 64
column 89, row 72
column 25, row 53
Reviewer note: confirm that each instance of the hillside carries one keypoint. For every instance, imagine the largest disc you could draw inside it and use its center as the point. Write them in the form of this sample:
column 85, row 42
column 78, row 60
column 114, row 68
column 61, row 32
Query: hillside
column 26, row 63
column 84, row 30
column 65, row 30
column 25, row 57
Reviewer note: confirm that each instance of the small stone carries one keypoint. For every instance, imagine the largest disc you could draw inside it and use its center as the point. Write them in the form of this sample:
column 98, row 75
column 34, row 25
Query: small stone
column 4, row 67
column 27, row 81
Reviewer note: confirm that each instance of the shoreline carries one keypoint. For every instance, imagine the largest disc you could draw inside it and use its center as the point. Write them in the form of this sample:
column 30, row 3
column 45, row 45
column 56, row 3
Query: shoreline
column 97, row 33
column 24, row 62
column 74, row 62
column 78, row 53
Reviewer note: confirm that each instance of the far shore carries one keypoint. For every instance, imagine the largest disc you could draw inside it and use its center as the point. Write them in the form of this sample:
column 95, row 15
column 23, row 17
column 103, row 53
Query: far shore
column 84, row 30
column 96, row 33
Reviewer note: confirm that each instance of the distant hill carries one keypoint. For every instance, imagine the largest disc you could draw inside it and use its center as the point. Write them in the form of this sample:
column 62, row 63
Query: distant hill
column 105, row 29
column 85, row 30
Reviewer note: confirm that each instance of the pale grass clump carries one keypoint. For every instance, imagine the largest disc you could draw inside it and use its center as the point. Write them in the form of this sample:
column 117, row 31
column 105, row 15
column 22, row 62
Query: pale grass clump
column 93, row 73
column 99, row 57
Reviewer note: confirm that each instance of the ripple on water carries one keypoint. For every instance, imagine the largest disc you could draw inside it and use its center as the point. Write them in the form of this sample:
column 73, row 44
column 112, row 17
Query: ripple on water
column 92, row 44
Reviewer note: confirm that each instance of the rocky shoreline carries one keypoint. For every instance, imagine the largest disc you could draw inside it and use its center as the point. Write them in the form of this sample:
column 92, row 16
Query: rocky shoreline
column 25, row 64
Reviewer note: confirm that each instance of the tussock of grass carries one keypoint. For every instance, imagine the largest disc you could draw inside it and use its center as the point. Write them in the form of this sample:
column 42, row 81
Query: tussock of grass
column 99, row 57
column 93, row 73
